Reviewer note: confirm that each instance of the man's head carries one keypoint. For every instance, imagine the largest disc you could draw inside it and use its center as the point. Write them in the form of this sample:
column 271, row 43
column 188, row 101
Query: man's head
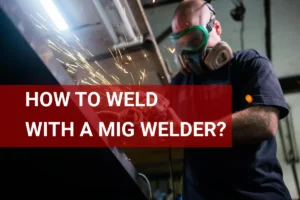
column 193, row 13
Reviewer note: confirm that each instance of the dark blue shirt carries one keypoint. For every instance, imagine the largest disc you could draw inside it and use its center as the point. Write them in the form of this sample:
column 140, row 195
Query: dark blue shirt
column 241, row 172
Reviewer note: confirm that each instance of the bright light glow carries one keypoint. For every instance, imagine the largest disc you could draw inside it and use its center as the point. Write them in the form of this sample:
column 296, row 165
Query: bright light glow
column 54, row 14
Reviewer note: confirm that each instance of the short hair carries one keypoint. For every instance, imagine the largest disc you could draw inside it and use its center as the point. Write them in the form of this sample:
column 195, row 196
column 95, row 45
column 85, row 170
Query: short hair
column 189, row 8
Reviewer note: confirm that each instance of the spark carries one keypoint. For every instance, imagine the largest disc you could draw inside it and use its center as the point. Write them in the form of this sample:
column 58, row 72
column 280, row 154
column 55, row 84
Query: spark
column 70, row 55
column 76, row 37
column 132, row 78
column 143, row 75
column 121, row 68
column 35, row 19
column 170, row 50
column 102, row 78
column 53, row 44
column 80, row 45
column 60, row 61
column 38, row 26
column 63, row 40
column 100, row 66
column 78, row 64
column 117, row 57
column 71, row 71
column 120, row 53
column 85, row 82
column 55, row 49
column 94, row 80
column 89, row 52
column 45, row 27
column 38, row 14
column 116, row 79
column 112, row 55
column 71, row 66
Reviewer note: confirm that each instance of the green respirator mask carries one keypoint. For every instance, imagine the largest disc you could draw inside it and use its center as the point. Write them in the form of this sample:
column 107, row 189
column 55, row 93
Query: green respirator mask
column 192, row 54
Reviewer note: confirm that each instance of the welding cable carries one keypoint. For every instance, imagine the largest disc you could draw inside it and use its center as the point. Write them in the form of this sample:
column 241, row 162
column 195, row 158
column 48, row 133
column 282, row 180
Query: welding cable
column 148, row 183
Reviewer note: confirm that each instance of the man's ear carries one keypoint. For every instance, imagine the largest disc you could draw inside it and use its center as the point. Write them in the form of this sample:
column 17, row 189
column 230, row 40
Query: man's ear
column 217, row 26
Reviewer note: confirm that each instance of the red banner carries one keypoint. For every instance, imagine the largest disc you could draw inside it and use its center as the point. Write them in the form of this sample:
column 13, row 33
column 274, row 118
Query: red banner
column 116, row 116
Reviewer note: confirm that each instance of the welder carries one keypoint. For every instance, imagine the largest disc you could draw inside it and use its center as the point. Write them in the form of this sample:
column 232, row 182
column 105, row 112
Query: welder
column 250, row 169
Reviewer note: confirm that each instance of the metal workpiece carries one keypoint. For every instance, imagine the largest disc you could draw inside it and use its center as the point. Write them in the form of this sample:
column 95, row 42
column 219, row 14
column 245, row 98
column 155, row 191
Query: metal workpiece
column 105, row 170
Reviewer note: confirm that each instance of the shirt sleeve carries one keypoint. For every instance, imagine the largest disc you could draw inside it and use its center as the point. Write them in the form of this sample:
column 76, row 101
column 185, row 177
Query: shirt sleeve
column 261, row 86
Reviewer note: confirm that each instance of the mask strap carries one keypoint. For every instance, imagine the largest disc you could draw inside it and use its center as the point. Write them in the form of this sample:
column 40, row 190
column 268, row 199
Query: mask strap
column 210, row 25
column 210, row 7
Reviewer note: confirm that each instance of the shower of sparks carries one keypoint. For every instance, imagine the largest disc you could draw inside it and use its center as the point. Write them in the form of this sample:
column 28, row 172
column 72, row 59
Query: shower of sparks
column 75, row 58
column 117, row 62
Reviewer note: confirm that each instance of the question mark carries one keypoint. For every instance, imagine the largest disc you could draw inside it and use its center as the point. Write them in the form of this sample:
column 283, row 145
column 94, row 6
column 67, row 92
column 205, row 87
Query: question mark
column 223, row 127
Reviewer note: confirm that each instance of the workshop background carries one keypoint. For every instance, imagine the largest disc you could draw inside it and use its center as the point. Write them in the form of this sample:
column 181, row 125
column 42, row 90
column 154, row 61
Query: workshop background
column 126, row 42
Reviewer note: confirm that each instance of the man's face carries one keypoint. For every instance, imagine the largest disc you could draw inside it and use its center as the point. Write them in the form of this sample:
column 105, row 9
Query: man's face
column 197, row 15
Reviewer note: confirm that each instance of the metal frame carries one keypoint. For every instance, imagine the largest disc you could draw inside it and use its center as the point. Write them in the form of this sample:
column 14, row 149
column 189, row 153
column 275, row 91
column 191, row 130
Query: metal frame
column 168, row 77
column 104, row 17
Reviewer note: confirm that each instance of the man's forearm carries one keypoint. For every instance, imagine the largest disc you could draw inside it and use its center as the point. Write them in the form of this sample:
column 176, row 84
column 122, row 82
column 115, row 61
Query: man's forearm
column 254, row 125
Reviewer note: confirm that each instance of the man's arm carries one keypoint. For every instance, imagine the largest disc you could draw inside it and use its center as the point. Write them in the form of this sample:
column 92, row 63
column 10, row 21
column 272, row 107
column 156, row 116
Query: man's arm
column 254, row 124
column 258, row 120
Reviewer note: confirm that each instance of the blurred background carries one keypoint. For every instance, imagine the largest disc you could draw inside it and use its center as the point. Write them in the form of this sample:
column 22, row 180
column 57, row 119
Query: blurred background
column 110, row 42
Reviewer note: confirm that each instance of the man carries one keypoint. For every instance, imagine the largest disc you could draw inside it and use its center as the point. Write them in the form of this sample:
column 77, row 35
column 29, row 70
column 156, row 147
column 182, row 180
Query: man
column 250, row 169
